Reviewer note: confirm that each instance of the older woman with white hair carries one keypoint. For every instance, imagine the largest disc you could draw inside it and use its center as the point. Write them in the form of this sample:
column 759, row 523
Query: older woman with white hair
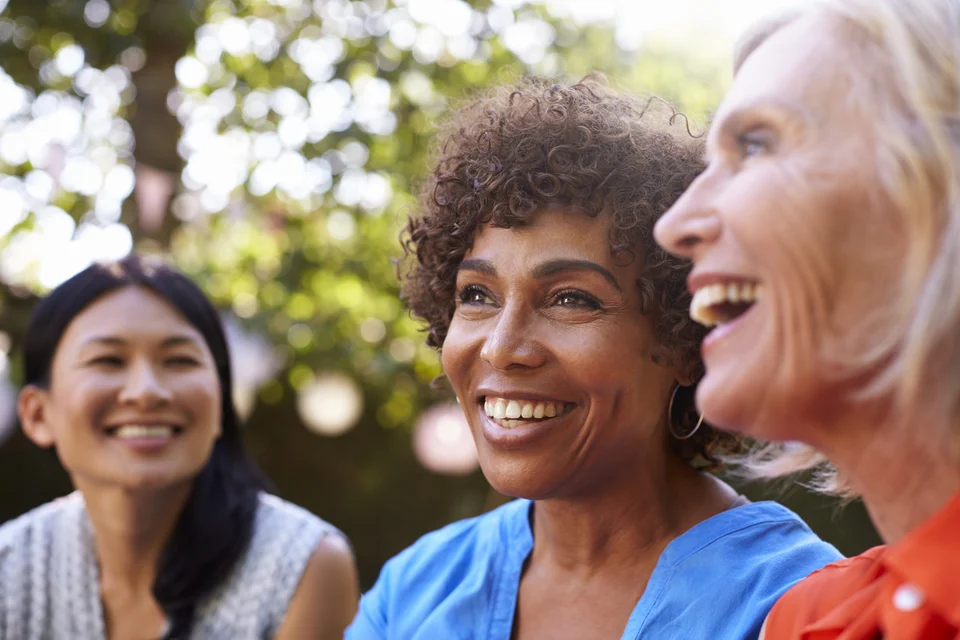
column 832, row 197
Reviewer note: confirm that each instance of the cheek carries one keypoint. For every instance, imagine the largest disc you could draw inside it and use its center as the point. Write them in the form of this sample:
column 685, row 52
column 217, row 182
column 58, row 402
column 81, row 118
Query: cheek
column 455, row 353
column 791, row 228
column 200, row 396
column 84, row 401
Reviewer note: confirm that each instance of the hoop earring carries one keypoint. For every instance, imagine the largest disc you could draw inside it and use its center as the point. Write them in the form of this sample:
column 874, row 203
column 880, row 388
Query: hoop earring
column 673, row 433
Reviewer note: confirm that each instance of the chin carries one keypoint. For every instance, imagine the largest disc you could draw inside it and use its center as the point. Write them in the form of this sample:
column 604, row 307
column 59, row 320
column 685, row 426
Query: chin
column 517, row 480
column 777, row 411
column 153, row 479
column 732, row 408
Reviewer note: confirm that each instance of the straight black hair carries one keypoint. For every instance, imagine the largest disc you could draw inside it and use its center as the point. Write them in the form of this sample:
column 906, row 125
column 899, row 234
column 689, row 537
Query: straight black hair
column 215, row 526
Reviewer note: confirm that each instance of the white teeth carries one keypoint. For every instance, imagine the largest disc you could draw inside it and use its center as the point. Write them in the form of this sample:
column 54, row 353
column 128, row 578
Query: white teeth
column 733, row 293
column 511, row 413
column 703, row 305
column 141, row 431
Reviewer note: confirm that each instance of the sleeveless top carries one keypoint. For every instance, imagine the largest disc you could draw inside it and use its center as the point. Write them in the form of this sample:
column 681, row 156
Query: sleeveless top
column 716, row 581
column 50, row 583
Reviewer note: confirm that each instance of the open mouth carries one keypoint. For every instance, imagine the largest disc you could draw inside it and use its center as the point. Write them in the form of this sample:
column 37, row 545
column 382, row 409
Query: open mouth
column 143, row 432
column 720, row 303
column 512, row 413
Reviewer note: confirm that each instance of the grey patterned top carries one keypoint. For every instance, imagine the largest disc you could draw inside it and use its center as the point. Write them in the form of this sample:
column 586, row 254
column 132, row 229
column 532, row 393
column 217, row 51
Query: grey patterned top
column 49, row 580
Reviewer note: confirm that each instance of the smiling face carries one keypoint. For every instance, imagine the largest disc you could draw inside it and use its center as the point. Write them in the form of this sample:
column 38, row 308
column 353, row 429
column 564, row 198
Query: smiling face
column 796, row 255
column 550, row 356
column 134, row 397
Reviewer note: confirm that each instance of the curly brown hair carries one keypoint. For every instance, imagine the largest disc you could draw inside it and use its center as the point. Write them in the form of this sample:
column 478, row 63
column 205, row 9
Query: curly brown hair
column 505, row 155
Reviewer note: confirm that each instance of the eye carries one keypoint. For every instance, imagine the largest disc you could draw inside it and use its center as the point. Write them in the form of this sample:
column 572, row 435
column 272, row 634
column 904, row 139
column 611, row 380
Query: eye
column 107, row 361
column 575, row 298
column 752, row 144
column 183, row 361
column 473, row 294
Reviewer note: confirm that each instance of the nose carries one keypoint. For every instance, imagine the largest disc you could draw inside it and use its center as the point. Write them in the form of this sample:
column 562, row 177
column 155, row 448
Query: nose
column 143, row 387
column 511, row 345
column 691, row 225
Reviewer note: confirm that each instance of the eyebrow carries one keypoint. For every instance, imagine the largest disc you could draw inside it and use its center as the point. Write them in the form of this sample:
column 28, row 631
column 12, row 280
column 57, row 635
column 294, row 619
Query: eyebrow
column 117, row 341
column 545, row 269
column 759, row 106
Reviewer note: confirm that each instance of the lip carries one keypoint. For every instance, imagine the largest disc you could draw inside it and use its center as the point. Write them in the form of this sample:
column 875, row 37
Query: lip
column 116, row 424
column 514, row 394
column 720, row 332
column 523, row 436
column 145, row 445
column 700, row 279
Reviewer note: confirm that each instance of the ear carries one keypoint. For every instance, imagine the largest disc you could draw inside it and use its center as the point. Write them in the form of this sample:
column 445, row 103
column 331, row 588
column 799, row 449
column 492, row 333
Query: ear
column 685, row 376
column 32, row 407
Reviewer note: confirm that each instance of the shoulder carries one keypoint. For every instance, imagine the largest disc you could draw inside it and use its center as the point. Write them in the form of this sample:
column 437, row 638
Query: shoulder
column 39, row 523
column 325, row 600
column 285, row 541
column 40, row 553
column 762, row 544
column 275, row 513
column 457, row 545
column 448, row 572
column 763, row 532
column 812, row 598
column 285, row 537
column 738, row 563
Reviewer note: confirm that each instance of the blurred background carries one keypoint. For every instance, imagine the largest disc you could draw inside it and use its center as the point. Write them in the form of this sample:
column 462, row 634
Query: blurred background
column 270, row 149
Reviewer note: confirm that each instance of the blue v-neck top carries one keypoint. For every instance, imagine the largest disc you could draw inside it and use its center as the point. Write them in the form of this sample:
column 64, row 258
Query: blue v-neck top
column 717, row 581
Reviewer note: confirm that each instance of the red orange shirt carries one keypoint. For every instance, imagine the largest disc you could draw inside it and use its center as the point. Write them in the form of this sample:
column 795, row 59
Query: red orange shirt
column 906, row 591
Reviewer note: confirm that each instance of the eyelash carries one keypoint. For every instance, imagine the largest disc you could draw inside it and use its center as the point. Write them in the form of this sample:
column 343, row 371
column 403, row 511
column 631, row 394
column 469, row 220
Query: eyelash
column 183, row 360
column 115, row 361
column 747, row 140
column 582, row 299
column 468, row 291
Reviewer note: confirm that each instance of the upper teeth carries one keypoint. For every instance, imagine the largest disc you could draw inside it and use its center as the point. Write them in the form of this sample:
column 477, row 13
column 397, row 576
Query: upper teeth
column 702, row 306
column 501, row 409
column 143, row 431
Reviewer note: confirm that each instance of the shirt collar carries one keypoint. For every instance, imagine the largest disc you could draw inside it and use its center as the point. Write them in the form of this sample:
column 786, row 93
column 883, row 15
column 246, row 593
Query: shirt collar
column 927, row 557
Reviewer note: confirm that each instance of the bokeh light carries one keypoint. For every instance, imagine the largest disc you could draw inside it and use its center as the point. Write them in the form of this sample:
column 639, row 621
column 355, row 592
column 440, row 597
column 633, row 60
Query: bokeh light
column 331, row 404
column 442, row 441
column 253, row 362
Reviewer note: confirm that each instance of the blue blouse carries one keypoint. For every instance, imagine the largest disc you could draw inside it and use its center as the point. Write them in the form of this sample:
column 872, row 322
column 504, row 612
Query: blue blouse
column 717, row 581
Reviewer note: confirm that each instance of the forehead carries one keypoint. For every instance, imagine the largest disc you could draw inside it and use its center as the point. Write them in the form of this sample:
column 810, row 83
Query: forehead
column 806, row 67
column 131, row 313
column 549, row 232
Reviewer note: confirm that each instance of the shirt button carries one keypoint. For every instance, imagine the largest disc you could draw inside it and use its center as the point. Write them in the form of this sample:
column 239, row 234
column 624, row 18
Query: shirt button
column 907, row 597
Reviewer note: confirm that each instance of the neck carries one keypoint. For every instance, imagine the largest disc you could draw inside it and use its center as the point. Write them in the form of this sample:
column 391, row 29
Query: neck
column 131, row 529
column 905, row 473
column 628, row 517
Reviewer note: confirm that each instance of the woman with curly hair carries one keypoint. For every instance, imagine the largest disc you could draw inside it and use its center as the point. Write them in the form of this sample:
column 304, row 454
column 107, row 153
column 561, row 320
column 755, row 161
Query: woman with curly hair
column 563, row 331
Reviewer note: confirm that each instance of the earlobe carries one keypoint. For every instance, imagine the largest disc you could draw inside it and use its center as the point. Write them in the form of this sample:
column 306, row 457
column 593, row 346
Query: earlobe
column 32, row 409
